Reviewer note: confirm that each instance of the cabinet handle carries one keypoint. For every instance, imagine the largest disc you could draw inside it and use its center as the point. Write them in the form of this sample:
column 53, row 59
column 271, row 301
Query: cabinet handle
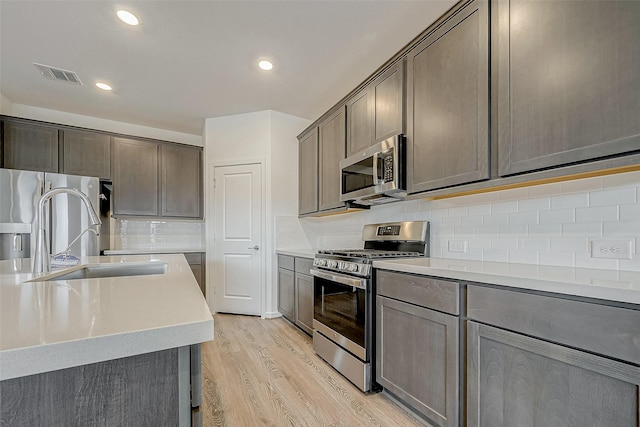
column 255, row 248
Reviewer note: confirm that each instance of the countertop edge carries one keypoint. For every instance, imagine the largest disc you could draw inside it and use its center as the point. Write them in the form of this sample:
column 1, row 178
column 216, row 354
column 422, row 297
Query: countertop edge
column 26, row 361
column 151, row 251
column 515, row 282
column 301, row 253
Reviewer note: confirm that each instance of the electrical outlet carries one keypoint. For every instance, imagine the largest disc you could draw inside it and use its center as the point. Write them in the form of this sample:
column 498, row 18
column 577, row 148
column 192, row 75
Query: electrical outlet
column 458, row 246
column 616, row 249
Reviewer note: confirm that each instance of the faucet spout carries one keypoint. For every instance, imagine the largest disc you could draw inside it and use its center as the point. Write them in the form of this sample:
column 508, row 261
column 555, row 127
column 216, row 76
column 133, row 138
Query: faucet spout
column 41, row 262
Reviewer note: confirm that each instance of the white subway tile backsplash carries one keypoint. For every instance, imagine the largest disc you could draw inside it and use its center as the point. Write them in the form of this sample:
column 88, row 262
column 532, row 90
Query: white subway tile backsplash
column 504, row 207
column 523, row 218
column 557, row 258
column 546, row 230
column 570, row 244
column 539, row 204
column 534, row 243
column 495, row 219
column 617, row 196
column 523, row 257
column 549, row 224
column 579, row 200
column 621, row 228
column 557, row 216
column 630, row 212
column 476, row 210
column 147, row 234
column 598, row 213
column 496, row 255
column 589, row 229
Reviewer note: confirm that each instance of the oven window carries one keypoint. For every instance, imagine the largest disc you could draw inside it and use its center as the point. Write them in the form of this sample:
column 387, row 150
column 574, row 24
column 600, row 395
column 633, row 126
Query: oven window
column 358, row 176
column 341, row 308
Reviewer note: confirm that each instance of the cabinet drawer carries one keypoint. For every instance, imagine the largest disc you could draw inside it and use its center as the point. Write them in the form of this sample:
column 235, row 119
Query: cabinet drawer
column 441, row 295
column 303, row 265
column 194, row 257
column 285, row 261
column 601, row 329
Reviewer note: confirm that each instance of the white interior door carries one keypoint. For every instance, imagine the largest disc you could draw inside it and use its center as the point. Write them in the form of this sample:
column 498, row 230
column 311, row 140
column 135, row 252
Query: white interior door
column 238, row 266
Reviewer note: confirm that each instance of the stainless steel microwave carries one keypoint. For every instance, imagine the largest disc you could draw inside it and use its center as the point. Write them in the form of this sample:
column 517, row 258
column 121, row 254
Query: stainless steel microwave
column 375, row 175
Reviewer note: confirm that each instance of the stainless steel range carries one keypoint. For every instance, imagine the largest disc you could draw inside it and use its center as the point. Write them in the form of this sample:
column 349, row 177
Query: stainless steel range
column 344, row 294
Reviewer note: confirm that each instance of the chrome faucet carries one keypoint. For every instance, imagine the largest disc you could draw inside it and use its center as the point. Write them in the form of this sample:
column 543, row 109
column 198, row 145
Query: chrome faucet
column 41, row 261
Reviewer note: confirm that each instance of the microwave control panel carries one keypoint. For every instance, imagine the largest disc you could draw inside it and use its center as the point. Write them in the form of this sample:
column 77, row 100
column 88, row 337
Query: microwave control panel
column 387, row 166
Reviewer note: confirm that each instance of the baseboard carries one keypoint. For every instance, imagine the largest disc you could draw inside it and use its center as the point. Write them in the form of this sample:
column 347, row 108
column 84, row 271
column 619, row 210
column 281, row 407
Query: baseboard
column 272, row 314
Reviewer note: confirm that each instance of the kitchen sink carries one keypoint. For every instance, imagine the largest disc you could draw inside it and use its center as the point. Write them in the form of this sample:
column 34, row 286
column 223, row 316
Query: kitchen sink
column 96, row 271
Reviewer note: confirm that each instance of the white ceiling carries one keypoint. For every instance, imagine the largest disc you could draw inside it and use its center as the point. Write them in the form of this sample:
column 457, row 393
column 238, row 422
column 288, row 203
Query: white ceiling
column 191, row 60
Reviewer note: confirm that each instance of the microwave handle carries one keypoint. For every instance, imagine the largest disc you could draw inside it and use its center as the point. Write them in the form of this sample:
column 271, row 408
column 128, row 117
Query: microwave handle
column 378, row 178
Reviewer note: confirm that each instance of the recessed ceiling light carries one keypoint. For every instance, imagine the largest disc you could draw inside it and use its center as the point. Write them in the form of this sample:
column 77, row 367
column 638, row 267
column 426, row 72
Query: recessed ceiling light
column 127, row 17
column 103, row 86
column 265, row 65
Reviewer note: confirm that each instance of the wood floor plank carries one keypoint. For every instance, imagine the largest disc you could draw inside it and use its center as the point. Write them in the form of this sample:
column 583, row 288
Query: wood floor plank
column 265, row 373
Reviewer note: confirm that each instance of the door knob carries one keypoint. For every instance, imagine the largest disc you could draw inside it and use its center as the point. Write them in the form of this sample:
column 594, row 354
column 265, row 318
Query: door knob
column 255, row 248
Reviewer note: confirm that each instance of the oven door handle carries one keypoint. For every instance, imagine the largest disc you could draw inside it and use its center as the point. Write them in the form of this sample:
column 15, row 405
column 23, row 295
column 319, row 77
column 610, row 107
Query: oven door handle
column 345, row 280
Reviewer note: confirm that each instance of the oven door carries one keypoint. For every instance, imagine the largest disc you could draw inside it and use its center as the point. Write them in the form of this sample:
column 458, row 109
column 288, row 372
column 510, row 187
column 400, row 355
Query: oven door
column 342, row 310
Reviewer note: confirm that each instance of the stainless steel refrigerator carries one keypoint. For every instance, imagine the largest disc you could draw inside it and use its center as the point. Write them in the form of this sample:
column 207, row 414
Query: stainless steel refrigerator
column 65, row 220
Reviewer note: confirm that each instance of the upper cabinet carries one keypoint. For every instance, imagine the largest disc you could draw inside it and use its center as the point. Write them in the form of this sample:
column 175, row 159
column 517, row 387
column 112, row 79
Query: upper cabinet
column 30, row 146
column 86, row 153
column 376, row 112
column 135, row 177
column 567, row 81
column 360, row 121
column 389, row 105
column 332, row 149
column 156, row 179
column 448, row 102
column 180, row 180
column 308, row 172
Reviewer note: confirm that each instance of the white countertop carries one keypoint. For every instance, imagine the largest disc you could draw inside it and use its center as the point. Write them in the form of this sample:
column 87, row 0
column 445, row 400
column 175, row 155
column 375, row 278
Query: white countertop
column 150, row 251
column 46, row 326
column 611, row 285
column 303, row 253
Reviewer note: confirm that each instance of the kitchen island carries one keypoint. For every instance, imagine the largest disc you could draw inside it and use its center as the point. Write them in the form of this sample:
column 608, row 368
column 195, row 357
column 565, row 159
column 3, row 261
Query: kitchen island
column 108, row 350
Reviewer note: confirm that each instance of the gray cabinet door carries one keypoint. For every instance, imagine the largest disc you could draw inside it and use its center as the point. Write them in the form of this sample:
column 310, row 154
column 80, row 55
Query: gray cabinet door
column 308, row 173
column 181, row 181
column 304, row 302
column 359, row 121
column 30, row 146
column 286, row 293
column 332, row 150
column 566, row 73
column 417, row 358
column 448, row 103
column 86, row 153
column 515, row 380
column 389, row 106
column 135, row 177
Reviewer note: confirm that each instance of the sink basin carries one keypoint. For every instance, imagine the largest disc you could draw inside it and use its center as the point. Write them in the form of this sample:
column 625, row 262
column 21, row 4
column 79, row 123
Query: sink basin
column 95, row 271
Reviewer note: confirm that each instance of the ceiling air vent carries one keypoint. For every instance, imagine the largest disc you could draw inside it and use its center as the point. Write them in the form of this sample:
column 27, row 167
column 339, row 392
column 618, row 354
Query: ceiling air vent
column 58, row 74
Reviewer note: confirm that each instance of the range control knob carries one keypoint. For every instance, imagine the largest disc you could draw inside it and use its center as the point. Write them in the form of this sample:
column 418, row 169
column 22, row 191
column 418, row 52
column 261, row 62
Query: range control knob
column 332, row 264
column 353, row 268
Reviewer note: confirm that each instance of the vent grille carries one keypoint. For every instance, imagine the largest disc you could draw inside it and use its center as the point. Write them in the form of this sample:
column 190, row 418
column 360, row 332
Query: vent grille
column 58, row 74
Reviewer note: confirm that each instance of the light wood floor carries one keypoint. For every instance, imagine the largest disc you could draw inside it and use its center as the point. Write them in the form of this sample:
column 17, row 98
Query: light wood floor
column 264, row 372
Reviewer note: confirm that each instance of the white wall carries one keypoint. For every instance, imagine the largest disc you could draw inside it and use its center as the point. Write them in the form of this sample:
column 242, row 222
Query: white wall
column 61, row 117
column 550, row 224
column 271, row 137
column 5, row 105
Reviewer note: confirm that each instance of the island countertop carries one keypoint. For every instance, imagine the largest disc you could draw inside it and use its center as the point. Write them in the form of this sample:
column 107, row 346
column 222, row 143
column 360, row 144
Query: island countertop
column 46, row 326
column 610, row 285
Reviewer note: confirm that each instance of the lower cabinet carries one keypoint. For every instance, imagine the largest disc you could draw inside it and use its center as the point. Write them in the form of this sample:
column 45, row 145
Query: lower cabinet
column 417, row 348
column 304, row 302
column 286, row 293
column 516, row 380
column 153, row 389
column 295, row 291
